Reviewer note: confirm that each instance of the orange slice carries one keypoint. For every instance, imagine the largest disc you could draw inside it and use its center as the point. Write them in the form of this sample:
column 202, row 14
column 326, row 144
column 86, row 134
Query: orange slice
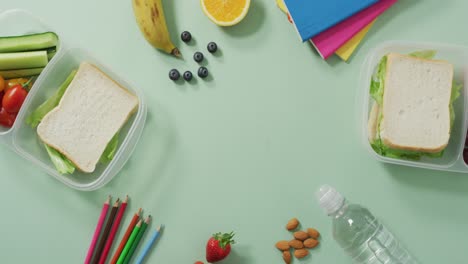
column 225, row 12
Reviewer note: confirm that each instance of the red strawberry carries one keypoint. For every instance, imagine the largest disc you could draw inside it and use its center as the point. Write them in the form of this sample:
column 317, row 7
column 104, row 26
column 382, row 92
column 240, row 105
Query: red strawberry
column 219, row 247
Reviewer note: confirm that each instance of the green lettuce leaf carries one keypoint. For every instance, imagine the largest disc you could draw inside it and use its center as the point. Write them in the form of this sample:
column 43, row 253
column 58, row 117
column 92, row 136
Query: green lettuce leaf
column 378, row 80
column 424, row 54
column 110, row 150
column 377, row 91
column 37, row 115
column 61, row 163
column 455, row 94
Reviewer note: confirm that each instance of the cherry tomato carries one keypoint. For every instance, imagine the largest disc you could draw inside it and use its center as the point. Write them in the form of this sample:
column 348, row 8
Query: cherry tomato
column 7, row 119
column 2, row 83
column 14, row 98
column 12, row 82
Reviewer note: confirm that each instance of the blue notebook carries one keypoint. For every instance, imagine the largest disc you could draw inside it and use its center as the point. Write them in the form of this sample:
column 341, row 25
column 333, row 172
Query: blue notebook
column 314, row 16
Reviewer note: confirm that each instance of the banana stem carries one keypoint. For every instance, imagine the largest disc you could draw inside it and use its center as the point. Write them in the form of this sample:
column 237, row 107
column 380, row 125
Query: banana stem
column 176, row 52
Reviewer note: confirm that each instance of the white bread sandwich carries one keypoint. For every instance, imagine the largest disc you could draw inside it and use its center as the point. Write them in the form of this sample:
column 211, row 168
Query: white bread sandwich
column 413, row 114
column 90, row 113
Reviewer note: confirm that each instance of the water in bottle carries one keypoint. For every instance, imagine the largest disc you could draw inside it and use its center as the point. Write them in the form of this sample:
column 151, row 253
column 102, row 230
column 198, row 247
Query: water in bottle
column 359, row 233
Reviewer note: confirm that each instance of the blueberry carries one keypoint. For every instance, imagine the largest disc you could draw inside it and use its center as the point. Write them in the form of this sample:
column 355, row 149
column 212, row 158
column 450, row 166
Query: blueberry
column 188, row 76
column 203, row 72
column 186, row 36
column 198, row 56
column 174, row 74
column 212, row 47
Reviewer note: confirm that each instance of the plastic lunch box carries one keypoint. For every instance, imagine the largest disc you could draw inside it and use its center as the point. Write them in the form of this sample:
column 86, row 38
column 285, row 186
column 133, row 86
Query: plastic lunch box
column 452, row 160
column 24, row 140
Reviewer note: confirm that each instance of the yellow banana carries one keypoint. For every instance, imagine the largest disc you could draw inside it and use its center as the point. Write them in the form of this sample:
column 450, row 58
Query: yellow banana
column 150, row 18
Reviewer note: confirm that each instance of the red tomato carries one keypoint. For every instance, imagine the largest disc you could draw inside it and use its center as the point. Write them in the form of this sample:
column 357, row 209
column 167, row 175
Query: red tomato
column 14, row 98
column 7, row 119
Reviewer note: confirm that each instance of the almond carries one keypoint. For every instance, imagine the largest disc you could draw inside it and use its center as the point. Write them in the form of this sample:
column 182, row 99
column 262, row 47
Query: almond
column 301, row 235
column 300, row 253
column 313, row 233
column 297, row 244
column 287, row 257
column 282, row 245
column 292, row 224
column 311, row 243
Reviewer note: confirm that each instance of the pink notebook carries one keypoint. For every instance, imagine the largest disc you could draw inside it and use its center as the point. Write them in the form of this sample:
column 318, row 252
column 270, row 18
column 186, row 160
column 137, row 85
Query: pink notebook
column 329, row 41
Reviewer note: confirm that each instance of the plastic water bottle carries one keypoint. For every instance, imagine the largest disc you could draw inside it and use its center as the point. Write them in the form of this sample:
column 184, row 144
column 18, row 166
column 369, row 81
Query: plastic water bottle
column 359, row 233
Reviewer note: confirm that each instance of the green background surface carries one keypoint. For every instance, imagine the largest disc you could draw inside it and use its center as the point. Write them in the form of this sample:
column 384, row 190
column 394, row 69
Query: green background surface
column 244, row 150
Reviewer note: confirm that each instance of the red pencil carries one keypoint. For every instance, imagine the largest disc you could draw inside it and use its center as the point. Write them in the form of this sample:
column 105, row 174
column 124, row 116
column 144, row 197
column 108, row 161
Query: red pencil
column 113, row 231
column 97, row 231
column 126, row 236
column 105, row 233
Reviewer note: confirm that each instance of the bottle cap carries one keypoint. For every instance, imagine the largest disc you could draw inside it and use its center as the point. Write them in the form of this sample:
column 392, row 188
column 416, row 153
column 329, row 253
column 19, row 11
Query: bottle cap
column 329, row 199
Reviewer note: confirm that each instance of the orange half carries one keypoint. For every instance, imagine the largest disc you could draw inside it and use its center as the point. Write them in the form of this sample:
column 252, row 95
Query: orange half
column 225, row 12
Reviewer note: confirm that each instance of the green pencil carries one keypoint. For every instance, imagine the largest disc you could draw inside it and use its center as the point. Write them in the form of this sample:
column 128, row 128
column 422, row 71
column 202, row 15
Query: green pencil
column 137, row 240
column 128, row 245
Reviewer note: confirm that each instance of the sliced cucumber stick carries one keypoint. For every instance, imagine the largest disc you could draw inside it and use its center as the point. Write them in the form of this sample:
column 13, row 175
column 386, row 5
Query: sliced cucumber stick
column 23, row 60
column 50, row 54
column 20, row 73
column 28, row 42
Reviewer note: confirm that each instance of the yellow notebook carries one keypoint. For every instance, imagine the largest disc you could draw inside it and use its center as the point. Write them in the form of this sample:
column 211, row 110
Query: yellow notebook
column 345, row 51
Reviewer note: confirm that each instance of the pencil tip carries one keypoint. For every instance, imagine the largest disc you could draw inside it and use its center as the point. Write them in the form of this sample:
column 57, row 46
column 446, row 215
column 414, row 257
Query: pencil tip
column 148, row 219
column 159, row 228
column 139, row 211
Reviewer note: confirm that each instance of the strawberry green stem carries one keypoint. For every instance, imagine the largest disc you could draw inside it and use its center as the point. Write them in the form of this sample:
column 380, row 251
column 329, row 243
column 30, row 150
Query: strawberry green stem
column 224, row 239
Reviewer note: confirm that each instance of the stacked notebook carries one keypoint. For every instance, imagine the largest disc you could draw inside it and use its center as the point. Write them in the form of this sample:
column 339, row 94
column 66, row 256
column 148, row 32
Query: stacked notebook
column 334, row 26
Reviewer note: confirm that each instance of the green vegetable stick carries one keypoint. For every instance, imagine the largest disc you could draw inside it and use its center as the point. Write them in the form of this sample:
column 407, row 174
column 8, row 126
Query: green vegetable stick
column 51, row 54
column 23, row 60
column 36, row 116
column 10, row 74
column 130, row 240
column 28, row 42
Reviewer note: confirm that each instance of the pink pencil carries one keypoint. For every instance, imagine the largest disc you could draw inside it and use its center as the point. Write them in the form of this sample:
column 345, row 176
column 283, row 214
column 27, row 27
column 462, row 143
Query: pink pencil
column 97, row 231
column 115, row 227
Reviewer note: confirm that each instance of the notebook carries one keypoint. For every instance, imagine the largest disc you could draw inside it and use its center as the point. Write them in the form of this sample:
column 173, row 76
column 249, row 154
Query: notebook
column 345, row 51
column 312, row 17
column 348, row 48
column 330, row 40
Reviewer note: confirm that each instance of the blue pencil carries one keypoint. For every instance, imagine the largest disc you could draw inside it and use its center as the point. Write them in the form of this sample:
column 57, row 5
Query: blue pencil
column 148, row 246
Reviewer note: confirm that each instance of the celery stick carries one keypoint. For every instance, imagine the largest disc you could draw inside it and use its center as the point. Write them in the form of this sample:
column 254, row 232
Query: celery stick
column 23, row 60
column 21, row 73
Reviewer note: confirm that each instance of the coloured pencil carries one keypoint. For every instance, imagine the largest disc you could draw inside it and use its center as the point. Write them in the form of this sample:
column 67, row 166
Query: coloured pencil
column 113, row 231
column 127, row 234
column 148, row 246
column 105, row 233
column 137, row 240
column 128, row 245
column 97, row 230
